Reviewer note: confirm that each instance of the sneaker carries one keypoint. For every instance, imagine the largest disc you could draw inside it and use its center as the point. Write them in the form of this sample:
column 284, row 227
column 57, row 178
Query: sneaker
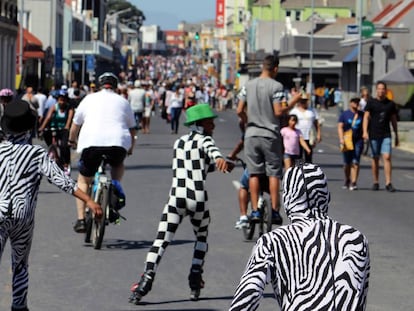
column 80, row 226
column 353, row 187
column 276, row 218
column 375, row 187
column 196, row 283
column 255, row 215
column 390, row 188
column 243, row 222
column 346, row 184
column 142, row 288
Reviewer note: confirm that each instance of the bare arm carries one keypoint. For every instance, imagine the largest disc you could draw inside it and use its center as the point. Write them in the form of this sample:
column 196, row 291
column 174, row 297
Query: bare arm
column 341, row 132
column 73, row 133
column 78, row 193
column 48, row 118
column 394, row 125
column 318, row 131
column 279, row 109
column 69, row 120
column 304, row 145
column 365, row 125
column 241, row 111
column 132, row 132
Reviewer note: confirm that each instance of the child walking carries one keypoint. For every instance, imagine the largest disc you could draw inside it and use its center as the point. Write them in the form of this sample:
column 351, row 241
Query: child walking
column 292, row 140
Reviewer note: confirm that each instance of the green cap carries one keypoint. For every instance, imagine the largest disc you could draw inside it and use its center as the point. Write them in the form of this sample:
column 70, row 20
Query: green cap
column 199, row 112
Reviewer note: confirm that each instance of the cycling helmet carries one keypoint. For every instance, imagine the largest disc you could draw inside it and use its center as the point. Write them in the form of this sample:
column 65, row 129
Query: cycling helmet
column 108, row 78
column 62, row 93
column 6, row 93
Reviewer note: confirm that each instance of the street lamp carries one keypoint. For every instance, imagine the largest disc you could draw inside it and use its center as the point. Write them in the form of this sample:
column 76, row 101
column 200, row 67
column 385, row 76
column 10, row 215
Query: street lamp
column 113, row 17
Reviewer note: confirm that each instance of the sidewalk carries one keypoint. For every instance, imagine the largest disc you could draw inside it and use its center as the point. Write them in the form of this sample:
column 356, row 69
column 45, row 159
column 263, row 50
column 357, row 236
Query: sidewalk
column 405, row 129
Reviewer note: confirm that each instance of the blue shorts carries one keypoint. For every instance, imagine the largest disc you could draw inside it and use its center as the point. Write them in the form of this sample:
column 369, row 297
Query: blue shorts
column 354, row 156
column 244, row 180
column 380, row 146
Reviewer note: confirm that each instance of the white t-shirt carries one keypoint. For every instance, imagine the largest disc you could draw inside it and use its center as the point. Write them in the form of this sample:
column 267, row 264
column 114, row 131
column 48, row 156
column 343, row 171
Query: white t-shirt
column 41, row 99
column 106, row 118
column 306, row 120
column 136, row 98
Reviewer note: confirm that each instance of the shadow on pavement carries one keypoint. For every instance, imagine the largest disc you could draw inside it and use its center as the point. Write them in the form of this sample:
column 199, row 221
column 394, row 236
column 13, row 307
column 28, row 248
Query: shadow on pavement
column 129, row 244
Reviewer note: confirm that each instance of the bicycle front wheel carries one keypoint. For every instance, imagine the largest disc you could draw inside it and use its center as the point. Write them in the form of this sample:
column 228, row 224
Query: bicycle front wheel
column 98, row 224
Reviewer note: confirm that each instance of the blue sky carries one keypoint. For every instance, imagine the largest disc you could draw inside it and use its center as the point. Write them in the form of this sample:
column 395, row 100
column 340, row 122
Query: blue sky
column 168, row 13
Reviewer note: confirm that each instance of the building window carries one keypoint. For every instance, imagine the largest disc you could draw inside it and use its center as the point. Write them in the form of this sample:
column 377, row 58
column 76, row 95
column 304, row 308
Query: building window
column 288, row 13
column 297, row 15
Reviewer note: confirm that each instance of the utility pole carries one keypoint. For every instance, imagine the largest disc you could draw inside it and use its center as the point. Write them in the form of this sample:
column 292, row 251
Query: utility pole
column 358, row 85
column 310, row 90
column 21, row 41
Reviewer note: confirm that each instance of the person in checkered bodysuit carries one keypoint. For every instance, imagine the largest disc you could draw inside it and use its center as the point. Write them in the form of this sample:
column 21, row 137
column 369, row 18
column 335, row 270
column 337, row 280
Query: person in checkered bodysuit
column 195, row 154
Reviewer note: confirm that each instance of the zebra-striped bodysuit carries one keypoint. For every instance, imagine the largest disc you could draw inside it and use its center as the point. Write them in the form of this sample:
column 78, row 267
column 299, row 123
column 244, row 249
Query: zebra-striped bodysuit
column 21, row 170
column 315, row 263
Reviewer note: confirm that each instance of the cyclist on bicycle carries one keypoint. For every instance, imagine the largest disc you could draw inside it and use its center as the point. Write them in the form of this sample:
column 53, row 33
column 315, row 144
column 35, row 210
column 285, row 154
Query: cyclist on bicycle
column 59, row 118
column 105, row 124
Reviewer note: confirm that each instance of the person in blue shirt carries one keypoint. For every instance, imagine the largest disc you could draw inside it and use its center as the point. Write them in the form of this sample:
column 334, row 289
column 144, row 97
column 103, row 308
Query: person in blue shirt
column 351, row 118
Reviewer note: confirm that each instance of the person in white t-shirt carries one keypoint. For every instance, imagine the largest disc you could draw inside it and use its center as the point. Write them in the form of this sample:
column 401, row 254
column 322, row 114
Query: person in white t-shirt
column 308, row 124
column 105, row 124
column 136, row 98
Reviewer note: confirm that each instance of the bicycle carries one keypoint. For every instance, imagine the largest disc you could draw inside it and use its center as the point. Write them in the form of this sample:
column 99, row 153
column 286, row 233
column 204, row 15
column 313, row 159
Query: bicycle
column 55, row 144
column 264, row 223
column 102, row 193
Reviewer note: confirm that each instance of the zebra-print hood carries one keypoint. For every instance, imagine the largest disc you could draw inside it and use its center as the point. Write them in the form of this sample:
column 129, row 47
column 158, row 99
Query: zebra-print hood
column 311, row 203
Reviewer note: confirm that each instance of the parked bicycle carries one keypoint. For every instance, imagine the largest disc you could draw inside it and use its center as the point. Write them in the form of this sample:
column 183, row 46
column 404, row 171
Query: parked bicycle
column 106, row 192
column 264, row 223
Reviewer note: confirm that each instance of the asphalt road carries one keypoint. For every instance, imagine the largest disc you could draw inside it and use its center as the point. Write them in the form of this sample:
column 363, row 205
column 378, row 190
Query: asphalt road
column 67, row 275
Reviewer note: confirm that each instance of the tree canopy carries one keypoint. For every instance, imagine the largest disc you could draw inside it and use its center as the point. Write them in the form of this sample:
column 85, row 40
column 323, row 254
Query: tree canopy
column 133, row 18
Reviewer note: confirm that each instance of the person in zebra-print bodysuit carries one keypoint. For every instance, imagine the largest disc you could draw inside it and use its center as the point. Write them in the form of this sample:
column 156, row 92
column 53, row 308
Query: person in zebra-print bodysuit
column 314, row 263
column 21, row 169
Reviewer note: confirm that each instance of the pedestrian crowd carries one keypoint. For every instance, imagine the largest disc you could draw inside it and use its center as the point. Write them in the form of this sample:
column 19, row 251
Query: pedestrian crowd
column 279, row 130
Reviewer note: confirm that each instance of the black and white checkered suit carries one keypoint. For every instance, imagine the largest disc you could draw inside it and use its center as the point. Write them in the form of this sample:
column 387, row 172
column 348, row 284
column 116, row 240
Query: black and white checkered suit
column 194, row 155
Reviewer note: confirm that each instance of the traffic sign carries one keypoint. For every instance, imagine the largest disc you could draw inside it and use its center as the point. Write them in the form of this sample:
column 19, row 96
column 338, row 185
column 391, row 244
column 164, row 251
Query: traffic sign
column 368, row 29
column 90, row 63
column 352, row 29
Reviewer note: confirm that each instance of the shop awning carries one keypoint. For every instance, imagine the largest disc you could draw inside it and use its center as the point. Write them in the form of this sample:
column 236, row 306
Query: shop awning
column 347, row 54
column 32, row 46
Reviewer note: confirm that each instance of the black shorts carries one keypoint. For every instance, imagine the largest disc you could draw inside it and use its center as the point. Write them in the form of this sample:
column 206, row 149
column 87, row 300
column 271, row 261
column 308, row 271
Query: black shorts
column 91, row 158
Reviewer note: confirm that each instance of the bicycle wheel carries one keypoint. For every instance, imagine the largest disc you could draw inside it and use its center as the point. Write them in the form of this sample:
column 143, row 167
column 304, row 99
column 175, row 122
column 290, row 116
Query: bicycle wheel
column 88, row 223
column 98, row 224
column 249, row 231
column 265, row 224
column 267, row 218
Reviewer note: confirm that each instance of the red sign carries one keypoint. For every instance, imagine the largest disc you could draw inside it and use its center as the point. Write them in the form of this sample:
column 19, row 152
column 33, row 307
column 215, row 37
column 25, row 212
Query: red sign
column 220, row 13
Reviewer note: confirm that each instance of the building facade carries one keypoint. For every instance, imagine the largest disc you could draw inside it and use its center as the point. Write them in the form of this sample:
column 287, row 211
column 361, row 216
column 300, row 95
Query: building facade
column 8, row 37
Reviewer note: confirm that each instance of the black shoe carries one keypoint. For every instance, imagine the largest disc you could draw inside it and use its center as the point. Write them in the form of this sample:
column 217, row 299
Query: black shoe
column 375, row 187
column 196, row 283
column 15, row 309
column 142, row 288
column 390, row 188
column 80, row 226
column 276, row 218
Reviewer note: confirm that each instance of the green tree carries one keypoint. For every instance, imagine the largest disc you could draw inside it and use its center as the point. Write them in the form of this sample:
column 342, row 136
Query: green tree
column 133, row 18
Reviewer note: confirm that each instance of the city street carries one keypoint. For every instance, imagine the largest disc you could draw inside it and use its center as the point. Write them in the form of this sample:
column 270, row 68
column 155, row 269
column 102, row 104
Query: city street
column 68, row 275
